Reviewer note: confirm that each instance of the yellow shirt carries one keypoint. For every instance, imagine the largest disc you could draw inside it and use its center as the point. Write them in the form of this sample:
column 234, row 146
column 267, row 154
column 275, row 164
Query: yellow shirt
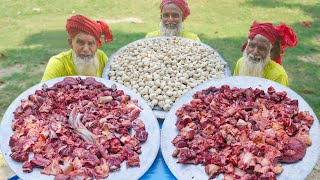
column 63, row 65
column 184, row 34
column 273, row 71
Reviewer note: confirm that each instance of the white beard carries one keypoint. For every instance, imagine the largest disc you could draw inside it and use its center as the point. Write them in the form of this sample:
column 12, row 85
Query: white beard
column 252, row 66
column 165, row 31
column 87, row 66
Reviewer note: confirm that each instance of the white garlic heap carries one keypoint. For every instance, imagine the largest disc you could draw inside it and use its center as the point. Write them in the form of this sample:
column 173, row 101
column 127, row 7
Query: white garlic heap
column 161, row 70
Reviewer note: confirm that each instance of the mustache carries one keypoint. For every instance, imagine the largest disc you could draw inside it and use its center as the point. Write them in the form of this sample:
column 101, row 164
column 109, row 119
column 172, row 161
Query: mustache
column 174, row 29
column 254, row 58
column 85, row 58
column 170, row 25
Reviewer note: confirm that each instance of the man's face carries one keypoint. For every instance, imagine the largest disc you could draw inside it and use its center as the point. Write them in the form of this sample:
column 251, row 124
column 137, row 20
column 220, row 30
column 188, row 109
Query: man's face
column 171, row 16
column 255, row 57
column 84, row 45
column 258, row 48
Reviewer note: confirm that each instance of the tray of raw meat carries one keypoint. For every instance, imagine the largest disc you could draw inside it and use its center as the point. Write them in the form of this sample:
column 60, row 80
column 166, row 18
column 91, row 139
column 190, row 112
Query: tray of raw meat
column 241, row 128
column 79, row 128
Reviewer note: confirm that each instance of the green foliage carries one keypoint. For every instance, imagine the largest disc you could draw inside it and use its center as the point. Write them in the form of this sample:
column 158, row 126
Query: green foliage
column 34, row 30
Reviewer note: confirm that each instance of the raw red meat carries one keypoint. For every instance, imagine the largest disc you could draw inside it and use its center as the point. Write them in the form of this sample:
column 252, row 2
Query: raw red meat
column 78, row 128
column 242, row 133
column 294, row 150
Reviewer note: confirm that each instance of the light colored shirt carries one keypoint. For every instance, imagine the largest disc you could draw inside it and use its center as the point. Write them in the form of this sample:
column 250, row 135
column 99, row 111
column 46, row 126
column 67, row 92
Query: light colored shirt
column 184, row 34
column 273, row 71
column 63, row 65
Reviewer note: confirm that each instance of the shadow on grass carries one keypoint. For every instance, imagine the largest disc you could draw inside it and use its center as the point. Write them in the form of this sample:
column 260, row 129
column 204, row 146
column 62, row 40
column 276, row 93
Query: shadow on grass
column 313, row 10
column 57, row 41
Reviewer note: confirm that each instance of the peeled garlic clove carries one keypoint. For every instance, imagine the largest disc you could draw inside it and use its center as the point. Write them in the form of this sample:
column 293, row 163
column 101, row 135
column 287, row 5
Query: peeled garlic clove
column 167, row 107
column 146, row 97
column 161, row 103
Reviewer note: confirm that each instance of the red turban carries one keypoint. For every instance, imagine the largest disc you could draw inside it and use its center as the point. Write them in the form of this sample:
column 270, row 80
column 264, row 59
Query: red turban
column 288, row 38
column 283, row 33
column 182, row 4
column 265, row 29
column 80, row 23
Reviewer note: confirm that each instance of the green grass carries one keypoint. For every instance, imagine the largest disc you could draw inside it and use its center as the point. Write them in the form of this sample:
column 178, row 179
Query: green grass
column 34, row 30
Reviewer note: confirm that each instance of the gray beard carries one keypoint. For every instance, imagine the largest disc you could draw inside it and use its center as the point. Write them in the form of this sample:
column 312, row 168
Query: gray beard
column 164, row 31
column 253, row 67
column 87, row 66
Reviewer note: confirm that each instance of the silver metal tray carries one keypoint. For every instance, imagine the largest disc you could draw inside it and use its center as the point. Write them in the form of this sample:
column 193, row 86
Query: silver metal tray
column 149, row 148
column 159, row 113
column 298, row 170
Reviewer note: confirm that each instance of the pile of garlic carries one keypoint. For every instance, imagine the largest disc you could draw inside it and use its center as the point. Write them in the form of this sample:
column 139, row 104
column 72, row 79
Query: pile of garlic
column 161, row 70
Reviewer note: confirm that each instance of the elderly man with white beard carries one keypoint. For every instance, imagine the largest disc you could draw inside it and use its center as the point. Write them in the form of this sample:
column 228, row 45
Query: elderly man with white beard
column 263, row 50
column 84, row 58
column 173, row 13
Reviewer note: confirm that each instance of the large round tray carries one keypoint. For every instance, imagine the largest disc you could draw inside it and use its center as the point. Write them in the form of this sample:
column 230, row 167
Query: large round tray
column 159, row 113
column 149, row 148
column 298, row 170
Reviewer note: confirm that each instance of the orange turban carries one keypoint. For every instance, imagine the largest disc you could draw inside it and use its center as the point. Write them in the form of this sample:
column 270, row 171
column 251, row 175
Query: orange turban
column 183, row 5
column 80, row 23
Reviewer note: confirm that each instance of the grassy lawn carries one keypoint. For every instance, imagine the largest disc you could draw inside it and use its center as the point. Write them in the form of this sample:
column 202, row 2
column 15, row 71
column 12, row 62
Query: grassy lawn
column 32, row 31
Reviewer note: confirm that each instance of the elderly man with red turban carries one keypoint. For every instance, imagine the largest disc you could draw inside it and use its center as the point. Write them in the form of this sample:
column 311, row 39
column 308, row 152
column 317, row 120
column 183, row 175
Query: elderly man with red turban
column 84, row 57
column 263, row 50
column 173, row 13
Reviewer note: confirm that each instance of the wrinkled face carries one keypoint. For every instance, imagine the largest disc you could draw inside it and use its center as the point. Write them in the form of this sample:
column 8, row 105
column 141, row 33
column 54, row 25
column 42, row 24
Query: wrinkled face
column 258, row 48
column 84, row 45
column 171, row 16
